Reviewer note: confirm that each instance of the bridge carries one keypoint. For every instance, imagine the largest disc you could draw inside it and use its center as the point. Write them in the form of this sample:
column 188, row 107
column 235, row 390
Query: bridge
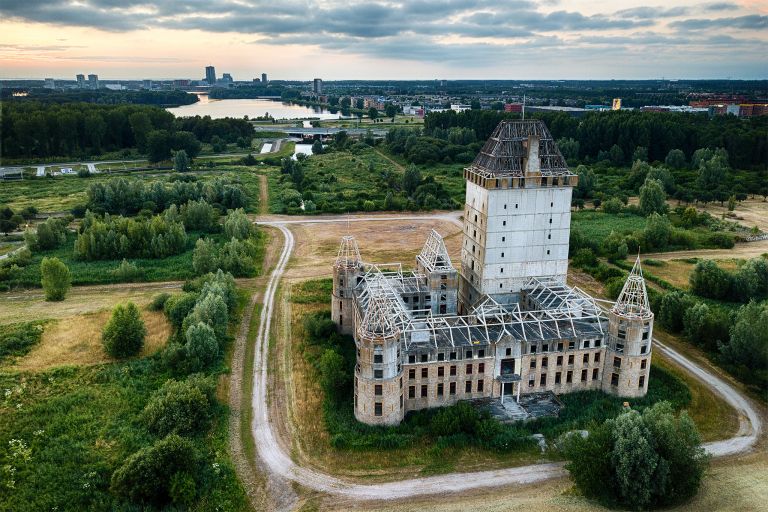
column 319, row 133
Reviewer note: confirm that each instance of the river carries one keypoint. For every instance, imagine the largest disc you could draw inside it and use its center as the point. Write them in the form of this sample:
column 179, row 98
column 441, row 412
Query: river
column 218, row 109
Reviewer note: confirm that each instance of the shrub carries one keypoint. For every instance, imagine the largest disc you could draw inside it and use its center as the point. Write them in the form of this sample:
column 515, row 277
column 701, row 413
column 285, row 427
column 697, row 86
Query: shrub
column 657, row 231
column 584, row 258
column 748, row 344
column 18, row 339
column 146, row 476
column 158, row 302
column 202, row 348
column 55, row 278
column 673, row 308
column 200, row 216
column 49, row 235
column 177, row 307
column 237, row 225
column 127, row 272
column 613, row 205
column 652, row 197
column 212, row 310
column 183, row 408
column 204, row 256
column 124, row 334
column 709, row 280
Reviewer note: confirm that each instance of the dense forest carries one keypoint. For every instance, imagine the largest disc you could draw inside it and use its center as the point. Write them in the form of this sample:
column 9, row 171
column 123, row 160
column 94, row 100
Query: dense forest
column 170, row 98
column 38, row 130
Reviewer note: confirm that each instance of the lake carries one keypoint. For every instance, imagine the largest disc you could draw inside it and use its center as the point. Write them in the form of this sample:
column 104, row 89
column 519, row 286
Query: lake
column 218, row 109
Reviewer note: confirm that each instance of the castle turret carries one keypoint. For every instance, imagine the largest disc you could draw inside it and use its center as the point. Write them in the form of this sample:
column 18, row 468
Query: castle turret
column 378, row 372
column 629, row 340
column 346, row 270
column 441, row 277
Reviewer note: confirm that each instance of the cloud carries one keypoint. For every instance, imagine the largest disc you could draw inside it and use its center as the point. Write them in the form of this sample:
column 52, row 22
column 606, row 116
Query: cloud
column 749, row 22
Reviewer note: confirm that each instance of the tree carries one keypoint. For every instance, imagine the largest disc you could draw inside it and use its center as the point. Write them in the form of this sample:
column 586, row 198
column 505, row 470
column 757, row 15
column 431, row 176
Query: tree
column 411, row 179
column 613, row 205
column 639, row 461
column 657, row 231
column 672, row 310
column 712, row 173
column 640, row 153
column 141, row 125
column 751, row 280
column 373, row 113
column 200, row 216
column 652, row 197
column 475, row 104
column 333, row 374
column 182, row 408
column 181, row 161
column 569, row 148
column 317, row 147
column 158, row 145
column 709, row 280
column 586, row 182
column 202, row 347
column 187, row 142
column 212, row 310
column 675, row 159
column 237, row 225
column 390, row 110
column 748, row 343
column 204, row 256
column 218, row 144
column 616, row 155
column 49, row 235
column 55, row 278
column 146, row 476
column 124, row 334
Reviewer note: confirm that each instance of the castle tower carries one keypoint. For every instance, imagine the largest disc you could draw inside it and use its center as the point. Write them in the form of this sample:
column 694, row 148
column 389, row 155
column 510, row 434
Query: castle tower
column 441, row 278
column 346, row 270
column 517, row 214
column 629, row 341
column 378, row 372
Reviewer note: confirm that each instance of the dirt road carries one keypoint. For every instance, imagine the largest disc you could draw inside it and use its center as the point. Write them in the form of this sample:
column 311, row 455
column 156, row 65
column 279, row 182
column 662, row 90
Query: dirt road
column 281, row 467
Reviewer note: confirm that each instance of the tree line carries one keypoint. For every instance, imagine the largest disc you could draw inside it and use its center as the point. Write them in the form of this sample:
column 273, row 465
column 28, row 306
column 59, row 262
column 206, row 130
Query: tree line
column 37, row 130
column 169, row 98
column 658, row 132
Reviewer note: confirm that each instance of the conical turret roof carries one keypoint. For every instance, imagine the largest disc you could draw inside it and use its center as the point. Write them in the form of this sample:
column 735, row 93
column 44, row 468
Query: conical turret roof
column 349, row 253
column 434, row 256
column 633, row 299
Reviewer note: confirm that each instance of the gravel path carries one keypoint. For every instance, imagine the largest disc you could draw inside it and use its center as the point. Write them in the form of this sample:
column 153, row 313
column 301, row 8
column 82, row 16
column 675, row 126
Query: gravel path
column 281, row 467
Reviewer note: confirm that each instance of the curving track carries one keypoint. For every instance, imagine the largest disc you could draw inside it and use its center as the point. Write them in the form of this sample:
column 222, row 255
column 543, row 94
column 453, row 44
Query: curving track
column 279, row 464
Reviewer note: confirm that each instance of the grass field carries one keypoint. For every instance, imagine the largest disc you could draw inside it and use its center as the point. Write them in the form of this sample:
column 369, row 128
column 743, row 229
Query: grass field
column 596, row 225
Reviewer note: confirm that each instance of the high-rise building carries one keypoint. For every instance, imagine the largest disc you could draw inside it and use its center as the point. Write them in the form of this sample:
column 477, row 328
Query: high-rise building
column 226, row 78
column 317, row 86
column 93, row 81
column 80, row 81
column 264, row 78
column 50, row 83
column 210, row 75
column 146, row 84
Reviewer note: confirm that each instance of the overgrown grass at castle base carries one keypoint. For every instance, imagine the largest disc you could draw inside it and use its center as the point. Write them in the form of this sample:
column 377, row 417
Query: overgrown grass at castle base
column 332, row 357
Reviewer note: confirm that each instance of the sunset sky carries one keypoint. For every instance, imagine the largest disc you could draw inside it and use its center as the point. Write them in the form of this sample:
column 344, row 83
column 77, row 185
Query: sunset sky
column 411, row 39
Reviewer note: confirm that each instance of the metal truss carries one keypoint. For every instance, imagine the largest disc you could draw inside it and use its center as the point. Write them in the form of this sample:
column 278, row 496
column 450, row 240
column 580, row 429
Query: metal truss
column 633, row 299
column 349, row 253
column 434, row 256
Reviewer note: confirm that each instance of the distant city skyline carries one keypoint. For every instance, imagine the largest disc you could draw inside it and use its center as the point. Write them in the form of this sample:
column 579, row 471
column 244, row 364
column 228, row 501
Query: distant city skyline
column 418, row 39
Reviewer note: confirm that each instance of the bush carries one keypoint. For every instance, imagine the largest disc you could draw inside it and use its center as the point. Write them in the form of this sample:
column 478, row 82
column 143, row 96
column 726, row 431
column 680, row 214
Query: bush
column 584, row 258
column 613, row 205
column 158, row 302
column 237, row 225
column 18, row 339
column 639, row 461
column 748, row 344
column 55, row 278
column 184, row 408
column 177, row 307
column 709, row 280
column 200, row 216
column 124, row 334
column 127, row 272
column 49, row 235
column 212, row 310
column 145, row 477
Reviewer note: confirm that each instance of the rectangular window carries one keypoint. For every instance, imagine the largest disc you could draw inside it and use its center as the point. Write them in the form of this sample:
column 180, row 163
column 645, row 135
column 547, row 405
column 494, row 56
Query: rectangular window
column 481, row 368
column 452, row 388
column 424, row 373
column 641, row 383
column 557, row 377
column 571, row 345
column 412, row 374
column 643, row 349
column 453, row 371
column 509, row 352
column 569, row 377
column 544, row 362
column 533, row 349
column 468, row 386
column 401, row 383
column 469, row 369
column 559, row 347
column 583, row 375
column 377, row 409
column 597, row 343
column 617, row 362
column 424, row 358
column 424, row 391
column 585, row 359
column 378, row 374
column 481, row 385
column 440, row 389
column 643, row 364
column 559, row 360
column 531, row 381
column 377, row 390
column 594, row 374
column 441, row 356
column 614, row 379
column 468, row 354
column 453, row 356
column 570, row 359
column 440, row 371
column 543, row 379
column 533, row 363
column 481, row 353
column 378, row 358
column 545, row 347
column 597, row 357
column 411, row 359
column 401, row 401
column 411, row 391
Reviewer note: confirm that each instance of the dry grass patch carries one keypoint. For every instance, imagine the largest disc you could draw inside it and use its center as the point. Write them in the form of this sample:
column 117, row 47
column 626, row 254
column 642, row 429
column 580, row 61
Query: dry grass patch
column 76, row 340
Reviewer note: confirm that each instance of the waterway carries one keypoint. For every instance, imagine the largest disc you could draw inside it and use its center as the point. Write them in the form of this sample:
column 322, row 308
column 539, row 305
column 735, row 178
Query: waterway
column 218, row 109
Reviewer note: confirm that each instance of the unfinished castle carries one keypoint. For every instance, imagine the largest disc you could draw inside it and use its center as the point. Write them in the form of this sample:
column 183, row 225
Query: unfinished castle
column 506, row 325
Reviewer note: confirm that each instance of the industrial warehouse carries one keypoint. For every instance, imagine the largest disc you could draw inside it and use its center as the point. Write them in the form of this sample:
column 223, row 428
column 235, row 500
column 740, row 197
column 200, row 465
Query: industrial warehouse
column 505, row 329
